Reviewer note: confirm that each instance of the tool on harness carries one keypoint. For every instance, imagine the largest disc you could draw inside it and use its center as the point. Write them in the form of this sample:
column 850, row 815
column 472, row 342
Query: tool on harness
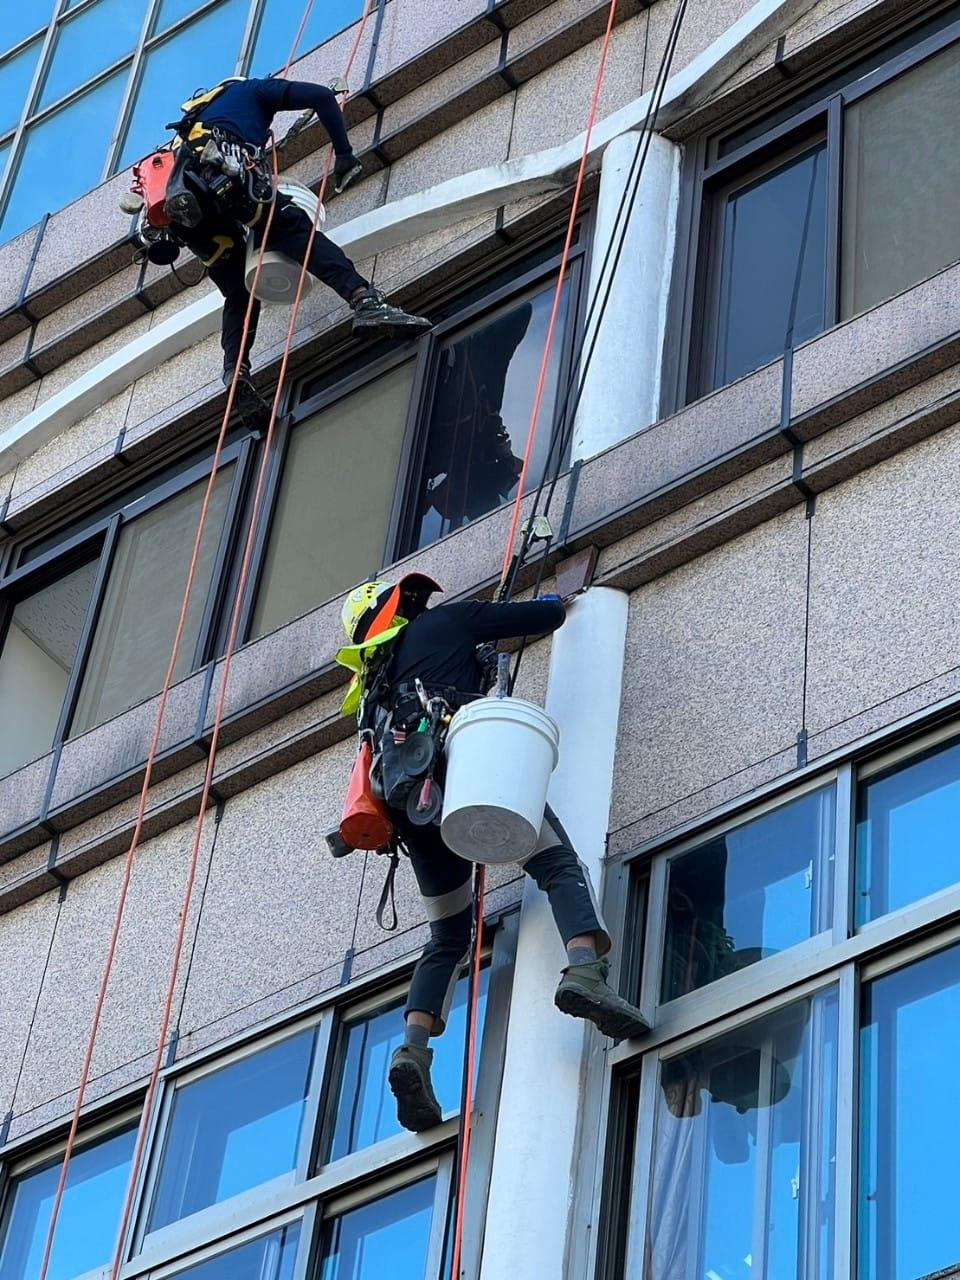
column 365, row 822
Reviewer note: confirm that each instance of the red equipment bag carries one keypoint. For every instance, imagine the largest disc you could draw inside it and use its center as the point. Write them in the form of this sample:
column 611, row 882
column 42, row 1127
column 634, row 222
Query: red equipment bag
column 365, row 823
column 151, row 178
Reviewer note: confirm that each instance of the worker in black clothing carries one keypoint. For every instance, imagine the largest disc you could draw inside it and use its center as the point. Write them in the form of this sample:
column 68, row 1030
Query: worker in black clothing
column 221, row 187
column 439, row 648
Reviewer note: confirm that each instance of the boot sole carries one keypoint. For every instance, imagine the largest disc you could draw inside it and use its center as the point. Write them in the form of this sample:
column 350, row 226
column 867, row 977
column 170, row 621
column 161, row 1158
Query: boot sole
column 348, row 179
column 616, row 1023
column 391, row 328
column 414, row 1110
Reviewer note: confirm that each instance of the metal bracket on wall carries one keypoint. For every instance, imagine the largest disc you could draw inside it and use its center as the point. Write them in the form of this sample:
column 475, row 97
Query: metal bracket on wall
column 575, row 574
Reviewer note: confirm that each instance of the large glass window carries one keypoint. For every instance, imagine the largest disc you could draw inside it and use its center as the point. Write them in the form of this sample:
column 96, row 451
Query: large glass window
column 910, row 1122
column 363, row 1109
column 480, row 415
column 749, row 894
column 387, row 1237
column 90, row 43
column 234, row 1129
column 35, row 665
column 333, row 507
column 908, row 819
column 279, row 22
column 16, row 74
column 272, row 1257
column 743, row 1177
column 89, row 1214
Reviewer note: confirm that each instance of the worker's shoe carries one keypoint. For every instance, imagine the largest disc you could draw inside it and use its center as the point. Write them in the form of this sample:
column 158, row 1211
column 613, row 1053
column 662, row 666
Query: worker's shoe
column 346, row 169
column 247, row 400
column 409, row 1078
column 584, row 993
column 372, row 313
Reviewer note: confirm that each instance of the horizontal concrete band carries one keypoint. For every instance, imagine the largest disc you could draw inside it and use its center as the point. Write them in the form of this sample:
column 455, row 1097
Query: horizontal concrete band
column 408, row 219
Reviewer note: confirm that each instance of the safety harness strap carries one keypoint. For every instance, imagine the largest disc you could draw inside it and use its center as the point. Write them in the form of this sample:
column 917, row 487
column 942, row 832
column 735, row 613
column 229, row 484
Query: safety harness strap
column 388, row 896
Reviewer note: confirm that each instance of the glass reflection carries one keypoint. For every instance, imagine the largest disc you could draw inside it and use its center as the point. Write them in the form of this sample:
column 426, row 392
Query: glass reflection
column 234, row 1129
column 480, row 416
column 388, row 1237
column 16, row 75
column 907, row 823
column 89, row 1213
column 910, row 1123
column 750, row 894
column 91, row 42
column 272, row 1258
column 743, row 1184
column 365, row 1110
column 279, row 25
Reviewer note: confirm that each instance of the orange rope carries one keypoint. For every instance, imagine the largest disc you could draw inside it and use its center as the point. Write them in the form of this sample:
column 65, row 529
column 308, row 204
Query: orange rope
column 466, row 1119
column 558, row 293
column 158, row 726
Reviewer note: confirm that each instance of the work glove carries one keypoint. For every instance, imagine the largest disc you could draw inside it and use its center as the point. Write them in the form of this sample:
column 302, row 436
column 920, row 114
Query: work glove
column 552, row 597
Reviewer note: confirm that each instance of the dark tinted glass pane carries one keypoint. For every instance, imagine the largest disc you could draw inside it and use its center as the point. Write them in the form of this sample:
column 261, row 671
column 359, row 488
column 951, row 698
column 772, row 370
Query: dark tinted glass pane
column 272, row 1258
column 749, row 894
column 16, row 75
column 743, row 1180
column 387, row 1238
column 35, row 665
column 281, row 22
column 53, row 170
column 234, row 1129
column 910, row 1123
column 480, row 416
column 771, row 271
column 91, row 42
column 365, row 1108
column 908, row 820
column 89, row 1214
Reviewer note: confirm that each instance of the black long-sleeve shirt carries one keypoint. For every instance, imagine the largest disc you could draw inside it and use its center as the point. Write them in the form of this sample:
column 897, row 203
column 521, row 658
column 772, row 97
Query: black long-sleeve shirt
column 247, row 107
column 440, row 646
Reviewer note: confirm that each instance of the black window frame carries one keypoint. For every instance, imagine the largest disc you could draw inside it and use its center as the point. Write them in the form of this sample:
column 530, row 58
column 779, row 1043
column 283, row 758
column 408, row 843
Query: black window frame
column 710, row 171
column 97, row 540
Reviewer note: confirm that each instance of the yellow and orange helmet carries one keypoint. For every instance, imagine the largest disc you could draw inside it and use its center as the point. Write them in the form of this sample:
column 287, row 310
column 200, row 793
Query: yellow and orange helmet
column 373, row 607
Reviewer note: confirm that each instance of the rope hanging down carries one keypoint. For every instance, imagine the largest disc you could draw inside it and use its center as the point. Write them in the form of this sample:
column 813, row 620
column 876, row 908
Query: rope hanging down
column 466, row 1111
column 218, row 718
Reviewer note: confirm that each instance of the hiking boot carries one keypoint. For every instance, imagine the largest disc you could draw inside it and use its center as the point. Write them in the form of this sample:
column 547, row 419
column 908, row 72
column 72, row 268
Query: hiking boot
column 247, row 401
column 372, row 312
column 346, row 169
column 584, row 993
column 409, row 1078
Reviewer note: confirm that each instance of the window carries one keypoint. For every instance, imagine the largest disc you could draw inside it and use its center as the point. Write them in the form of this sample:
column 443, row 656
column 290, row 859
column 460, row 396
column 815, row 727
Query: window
column 386, row 1237
column 272, row 1257
column 87, row 620
column 115, row 72
column 910, row 1125
column 749, row 894
column 89, row 1215
column 234, row 1129
column 908, row 816
column 825, row 213
column 744, row 1152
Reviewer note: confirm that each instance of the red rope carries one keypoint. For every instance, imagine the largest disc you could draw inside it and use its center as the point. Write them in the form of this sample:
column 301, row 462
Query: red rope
column 466, row 1119
column 158, row 726
column 558, row 293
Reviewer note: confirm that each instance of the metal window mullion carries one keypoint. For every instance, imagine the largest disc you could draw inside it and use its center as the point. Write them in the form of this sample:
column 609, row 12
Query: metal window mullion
column 845, row 1162
column 642, row 1178
column 304, row 1264
column 844, row 857
column 149, row 1172
column 834, row 230
column 16, row 146
column 313, row 1105
column 651, row 979
column 256, row 11
column 763, row 1187
column 438, row 1223
column 218, row 594
column 129, row 97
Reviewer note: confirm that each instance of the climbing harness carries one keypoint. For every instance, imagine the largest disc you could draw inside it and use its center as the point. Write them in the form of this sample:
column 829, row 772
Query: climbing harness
column 193, row 865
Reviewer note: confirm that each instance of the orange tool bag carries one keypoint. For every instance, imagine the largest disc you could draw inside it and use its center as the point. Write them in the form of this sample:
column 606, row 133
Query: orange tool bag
column 365, row 822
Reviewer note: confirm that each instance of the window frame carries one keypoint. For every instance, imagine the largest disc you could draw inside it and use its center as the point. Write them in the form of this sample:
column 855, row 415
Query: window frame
column 98, row 541
column 706, row 174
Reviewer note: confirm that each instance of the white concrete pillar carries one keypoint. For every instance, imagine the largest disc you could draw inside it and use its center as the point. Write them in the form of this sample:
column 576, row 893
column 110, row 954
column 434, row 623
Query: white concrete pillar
column 621, row 394
column 532, row 1183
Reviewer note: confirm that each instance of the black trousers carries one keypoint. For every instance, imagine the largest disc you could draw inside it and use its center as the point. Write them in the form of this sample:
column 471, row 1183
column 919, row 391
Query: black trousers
column 220, row 243
column 445, row 882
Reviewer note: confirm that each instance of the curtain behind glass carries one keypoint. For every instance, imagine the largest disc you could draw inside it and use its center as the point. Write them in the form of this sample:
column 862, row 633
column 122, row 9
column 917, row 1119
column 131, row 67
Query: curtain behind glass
column 138, row 619
column 901, row 183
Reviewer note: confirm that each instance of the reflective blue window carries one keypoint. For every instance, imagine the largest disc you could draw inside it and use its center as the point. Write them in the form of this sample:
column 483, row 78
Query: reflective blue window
column 89, row 1214
column 388, row 1237
column 54, row 167
column 910, row 1123
column 281, row 22
column 22, row 20
column 171, row 11
column 234, row 1129
column 199, row 55
column 15, row 77
column 89, row 43
column 365, row 1109
column 907, row 823
column 749, row 894
column 271, row 1258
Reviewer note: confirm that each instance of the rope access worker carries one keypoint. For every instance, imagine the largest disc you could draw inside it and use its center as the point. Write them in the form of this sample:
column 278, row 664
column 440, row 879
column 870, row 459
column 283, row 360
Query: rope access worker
column 402, row 649
column 220, row 187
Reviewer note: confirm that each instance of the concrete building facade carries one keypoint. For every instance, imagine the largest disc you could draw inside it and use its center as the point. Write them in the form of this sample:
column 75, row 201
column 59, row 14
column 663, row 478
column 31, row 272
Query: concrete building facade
column 758, row 693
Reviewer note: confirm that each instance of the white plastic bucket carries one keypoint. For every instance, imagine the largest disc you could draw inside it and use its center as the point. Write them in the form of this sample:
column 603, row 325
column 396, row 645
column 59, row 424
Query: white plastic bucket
column 500, row 755
column 280, row 274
